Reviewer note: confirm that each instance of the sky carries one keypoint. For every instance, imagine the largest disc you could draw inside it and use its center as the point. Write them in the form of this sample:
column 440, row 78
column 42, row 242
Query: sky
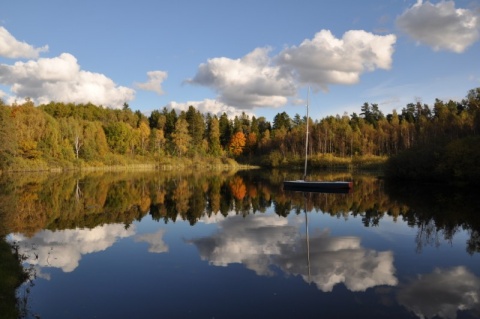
column 258, row 57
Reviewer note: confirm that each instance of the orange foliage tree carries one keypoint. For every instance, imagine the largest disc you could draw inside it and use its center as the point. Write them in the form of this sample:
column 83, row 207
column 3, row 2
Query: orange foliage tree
column 238, row 188
column 237, row 143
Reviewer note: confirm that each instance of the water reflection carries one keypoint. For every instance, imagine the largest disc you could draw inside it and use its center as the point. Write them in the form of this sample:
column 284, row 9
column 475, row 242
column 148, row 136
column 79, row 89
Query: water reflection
column 247, row 219
column 439, row 212
column 263, row 243
column 30, row 203
column 157, row 245
column 64, row 248
column 442, row 293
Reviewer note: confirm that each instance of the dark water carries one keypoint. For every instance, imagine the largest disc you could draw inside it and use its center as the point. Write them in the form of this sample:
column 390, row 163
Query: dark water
column 235, row 245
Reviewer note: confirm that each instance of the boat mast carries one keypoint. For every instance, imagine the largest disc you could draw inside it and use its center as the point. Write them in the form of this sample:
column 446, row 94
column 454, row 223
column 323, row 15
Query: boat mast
column 307, row 239
column 306, row 140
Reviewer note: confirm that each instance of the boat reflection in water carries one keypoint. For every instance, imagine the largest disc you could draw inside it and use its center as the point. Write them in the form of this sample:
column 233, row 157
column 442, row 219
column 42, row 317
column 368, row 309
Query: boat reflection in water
column 137, row 245
column 339, row 187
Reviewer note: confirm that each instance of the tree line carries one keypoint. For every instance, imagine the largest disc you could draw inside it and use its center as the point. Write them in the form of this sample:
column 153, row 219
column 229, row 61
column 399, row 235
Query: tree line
column 59, row 134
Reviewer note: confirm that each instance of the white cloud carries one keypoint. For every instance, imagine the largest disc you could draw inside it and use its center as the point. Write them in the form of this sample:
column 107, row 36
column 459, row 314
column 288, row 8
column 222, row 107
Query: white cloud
column 441, row 25
column 14, row 49
column 335, row 260
column 260, row 242
column 64, row 249
column 258, row 80
column 154, row 83
column 442, row 293
column 61, row 79
column 249, row 82
column 326, row 60
column 157, row 245
column 209, row 106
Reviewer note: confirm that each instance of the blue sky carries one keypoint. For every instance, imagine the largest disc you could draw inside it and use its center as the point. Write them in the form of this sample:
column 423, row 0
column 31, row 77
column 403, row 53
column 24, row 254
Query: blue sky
column 257, row 57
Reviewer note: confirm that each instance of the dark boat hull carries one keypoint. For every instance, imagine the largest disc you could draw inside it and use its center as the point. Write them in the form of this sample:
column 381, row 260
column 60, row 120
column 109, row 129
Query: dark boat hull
column 301, row 185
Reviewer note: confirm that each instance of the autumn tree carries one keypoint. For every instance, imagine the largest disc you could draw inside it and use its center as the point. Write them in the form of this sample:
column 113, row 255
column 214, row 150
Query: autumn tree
column 30, row 124
column 238, row 188
column 237, row 143
column 251, row 142
column 214, row 136
column 144, row 133
column 8, row 137
column 279, row 138
column 156, row 141
column 180, row 137
column 119, row 136
column 95, row 145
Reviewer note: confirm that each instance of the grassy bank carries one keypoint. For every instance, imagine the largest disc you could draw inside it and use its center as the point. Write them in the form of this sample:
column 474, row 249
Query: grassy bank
column 324, row 162
column 138, row 163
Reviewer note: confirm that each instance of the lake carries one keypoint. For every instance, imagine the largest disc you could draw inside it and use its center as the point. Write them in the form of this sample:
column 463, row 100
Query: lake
column 236, row 245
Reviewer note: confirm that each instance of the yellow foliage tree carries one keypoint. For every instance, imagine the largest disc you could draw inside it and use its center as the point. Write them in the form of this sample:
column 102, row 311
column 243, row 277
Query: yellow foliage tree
column 180, row 137
column 144, row 131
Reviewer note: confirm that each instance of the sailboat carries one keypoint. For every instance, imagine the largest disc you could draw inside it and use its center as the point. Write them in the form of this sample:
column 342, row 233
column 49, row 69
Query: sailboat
column 312, row 186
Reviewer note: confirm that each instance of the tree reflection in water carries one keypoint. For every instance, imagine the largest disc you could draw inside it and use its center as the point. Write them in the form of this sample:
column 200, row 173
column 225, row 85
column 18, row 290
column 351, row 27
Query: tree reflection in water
column 32, row 202
column 41, row 208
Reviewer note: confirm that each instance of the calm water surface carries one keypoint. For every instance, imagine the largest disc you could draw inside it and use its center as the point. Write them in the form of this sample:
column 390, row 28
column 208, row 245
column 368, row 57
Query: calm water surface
column 235, row 245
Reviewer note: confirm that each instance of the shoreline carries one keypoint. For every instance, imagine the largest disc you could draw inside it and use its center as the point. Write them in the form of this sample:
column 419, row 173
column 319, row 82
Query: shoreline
column 135, row 167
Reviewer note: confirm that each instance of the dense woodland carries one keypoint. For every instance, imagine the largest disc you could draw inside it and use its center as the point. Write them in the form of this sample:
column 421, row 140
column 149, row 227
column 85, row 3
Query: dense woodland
column 67, row 135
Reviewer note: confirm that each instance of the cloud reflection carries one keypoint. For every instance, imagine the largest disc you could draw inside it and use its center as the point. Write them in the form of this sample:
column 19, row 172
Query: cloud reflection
column 442, row 293
column 267, row 241
column 64, row 248
column 157, row 245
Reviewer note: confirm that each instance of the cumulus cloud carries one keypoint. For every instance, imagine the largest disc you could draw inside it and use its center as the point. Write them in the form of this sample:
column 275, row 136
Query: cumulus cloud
column 259, row 80
column 157, row 245
column 248, row 82
column 266, row 242
column 14, row 49
column 326, row 60
column 61, row 79
column 442, row 293
column 64, row 249
column 441, row 25
column 208, row 106
column 55, row 79
column 154, row 83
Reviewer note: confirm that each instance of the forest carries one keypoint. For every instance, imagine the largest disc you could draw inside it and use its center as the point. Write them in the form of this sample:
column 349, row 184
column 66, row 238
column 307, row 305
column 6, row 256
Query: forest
column 437, row 142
